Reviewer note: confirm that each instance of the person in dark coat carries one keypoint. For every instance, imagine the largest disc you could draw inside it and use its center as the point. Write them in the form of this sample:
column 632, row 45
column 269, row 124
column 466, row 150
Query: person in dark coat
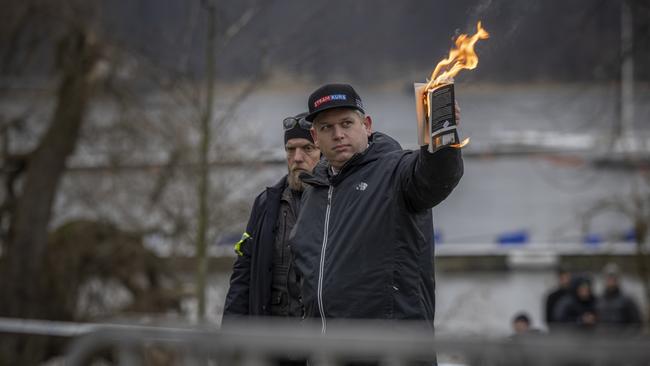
column 617, row 312
column 563, row 288
column 577, row 310
column 263, row 281
column 520, row 324
column 363, row 239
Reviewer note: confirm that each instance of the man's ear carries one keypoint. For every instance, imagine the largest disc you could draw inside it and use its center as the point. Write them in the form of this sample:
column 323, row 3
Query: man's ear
column 367, row 123
column 314, row 136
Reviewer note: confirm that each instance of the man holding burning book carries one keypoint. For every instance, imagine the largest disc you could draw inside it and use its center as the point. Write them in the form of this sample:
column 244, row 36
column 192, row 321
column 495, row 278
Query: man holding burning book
column 363, row 239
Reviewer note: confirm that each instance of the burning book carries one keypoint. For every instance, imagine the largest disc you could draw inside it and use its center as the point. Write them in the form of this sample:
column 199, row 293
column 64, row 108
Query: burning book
column 436, row 101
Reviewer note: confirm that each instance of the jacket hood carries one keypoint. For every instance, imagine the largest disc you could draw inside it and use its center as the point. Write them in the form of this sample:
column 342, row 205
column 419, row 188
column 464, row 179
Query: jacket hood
column 576, row 284
column 384, row 143
column 378, row 144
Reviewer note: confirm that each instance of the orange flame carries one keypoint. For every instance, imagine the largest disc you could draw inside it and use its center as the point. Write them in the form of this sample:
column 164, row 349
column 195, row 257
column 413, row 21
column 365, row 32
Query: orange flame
column 462, row 144
column 461, row 57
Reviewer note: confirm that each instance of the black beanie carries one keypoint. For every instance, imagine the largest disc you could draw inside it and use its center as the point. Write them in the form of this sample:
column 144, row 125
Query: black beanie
column 297, row 132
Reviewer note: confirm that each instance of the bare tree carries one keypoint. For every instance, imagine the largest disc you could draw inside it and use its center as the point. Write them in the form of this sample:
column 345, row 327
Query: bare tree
column 111, row 155
column 76, row 56
column 206, row 118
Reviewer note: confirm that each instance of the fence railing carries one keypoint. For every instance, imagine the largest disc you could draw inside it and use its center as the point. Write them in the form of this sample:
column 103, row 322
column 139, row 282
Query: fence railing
column 266, row 342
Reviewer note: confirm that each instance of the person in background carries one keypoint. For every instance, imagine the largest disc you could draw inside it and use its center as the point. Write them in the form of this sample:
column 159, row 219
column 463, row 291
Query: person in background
column 617, row 312
column 521, row 325
column 577, row 310
column 521, row 330
column 562, row 289
column 263, row 282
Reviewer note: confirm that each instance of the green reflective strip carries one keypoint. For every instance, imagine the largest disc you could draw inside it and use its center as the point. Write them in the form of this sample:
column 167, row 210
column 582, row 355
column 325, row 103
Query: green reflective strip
column 240, row 242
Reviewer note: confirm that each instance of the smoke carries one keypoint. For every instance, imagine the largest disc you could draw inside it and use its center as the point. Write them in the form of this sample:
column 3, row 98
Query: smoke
column 499, row 12
column 481, row 8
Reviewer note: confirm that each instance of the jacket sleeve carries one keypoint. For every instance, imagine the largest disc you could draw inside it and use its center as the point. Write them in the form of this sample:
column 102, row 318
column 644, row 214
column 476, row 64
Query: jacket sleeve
column 632, row 313
column 237, row 299
column 428, row 178
column 548, row 314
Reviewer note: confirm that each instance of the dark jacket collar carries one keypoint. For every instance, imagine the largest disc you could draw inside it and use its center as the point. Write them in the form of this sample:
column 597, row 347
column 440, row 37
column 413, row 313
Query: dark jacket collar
column 280, row 185
column 378, row 145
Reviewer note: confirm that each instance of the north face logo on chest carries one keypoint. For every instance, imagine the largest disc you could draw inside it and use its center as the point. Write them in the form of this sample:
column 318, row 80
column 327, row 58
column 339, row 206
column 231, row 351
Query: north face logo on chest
column 361, row 186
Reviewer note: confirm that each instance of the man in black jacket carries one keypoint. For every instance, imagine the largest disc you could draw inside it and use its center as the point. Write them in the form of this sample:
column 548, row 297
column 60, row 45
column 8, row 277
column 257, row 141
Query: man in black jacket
column 617, row 312
column 263, row 282
column 563, row 289
column 363, row 239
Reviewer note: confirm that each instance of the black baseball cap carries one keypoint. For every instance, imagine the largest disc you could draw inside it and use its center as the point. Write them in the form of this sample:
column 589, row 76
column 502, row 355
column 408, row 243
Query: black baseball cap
column 333, row 96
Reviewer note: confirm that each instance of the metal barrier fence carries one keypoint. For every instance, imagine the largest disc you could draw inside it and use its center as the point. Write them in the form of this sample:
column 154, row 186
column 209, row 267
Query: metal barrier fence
column 268, row 342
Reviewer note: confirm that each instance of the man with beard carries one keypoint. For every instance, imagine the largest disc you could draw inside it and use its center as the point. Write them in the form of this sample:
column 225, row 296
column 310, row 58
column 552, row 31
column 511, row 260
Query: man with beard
column 264, row 282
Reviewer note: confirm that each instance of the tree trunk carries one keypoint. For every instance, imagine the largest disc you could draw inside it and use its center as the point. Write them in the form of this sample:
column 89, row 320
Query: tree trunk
column 22, row 266
column 203, row 191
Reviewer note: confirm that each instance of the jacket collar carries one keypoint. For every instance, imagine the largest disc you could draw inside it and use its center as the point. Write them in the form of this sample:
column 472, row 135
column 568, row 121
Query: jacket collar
column 280, row 185
column 378, row 145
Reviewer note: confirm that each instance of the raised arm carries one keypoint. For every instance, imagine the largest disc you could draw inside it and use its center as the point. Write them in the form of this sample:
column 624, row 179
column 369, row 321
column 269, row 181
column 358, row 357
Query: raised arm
column 428, row 178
